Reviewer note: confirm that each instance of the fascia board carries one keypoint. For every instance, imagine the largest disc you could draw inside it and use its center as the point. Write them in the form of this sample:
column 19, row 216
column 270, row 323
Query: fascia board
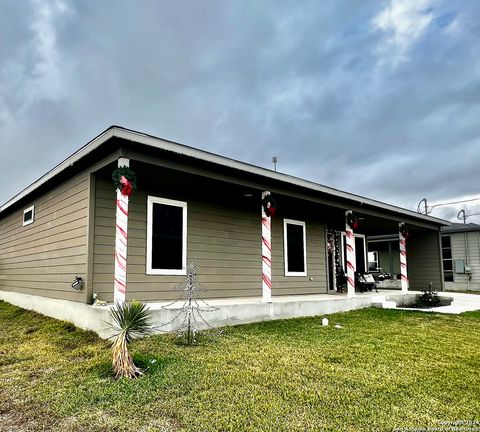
column 169, row 146
column 159, row 143
column 78, row 155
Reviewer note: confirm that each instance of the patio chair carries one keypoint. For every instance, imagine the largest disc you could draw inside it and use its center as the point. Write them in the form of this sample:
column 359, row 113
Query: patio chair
column 365, row 282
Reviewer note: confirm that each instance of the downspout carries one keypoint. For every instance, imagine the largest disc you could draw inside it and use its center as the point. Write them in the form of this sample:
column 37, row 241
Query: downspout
column 440, row 254
column 466, row 247
column 467, row 260
column 465, row 242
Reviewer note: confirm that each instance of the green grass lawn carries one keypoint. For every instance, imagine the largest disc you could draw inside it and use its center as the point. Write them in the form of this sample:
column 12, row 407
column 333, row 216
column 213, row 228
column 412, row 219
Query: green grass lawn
column 384, row 369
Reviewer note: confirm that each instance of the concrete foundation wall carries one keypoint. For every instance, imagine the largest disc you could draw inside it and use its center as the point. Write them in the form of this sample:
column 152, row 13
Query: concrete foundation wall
column 462, row 286
column 228, row 311
column 82, row 315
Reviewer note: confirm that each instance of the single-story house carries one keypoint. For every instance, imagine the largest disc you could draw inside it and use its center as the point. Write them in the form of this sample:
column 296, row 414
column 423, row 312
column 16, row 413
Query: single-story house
column 72, row 232
column 461, row 257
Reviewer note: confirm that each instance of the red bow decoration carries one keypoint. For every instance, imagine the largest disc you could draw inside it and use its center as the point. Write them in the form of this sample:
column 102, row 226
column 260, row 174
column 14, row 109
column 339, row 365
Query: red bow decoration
column 270, row 211
column 127, row 187
column 352, row 221
column 269, row 205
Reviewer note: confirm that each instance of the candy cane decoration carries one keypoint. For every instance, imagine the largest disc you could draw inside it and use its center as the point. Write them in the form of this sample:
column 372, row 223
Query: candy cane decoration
column 350, row 258
column 121, row 239
column 403, row 259
column 266, row 254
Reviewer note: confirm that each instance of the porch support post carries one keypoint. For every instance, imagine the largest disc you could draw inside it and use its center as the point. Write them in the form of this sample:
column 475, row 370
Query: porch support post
column 121, row 227
column 403, row 259
column 350, row 263
column 266, row 254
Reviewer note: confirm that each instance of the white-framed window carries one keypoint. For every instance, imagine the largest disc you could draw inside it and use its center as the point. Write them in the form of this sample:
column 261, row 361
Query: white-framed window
column 295, row 247
column 166, row 236
column 447, row 259
column 360, row 263
column 28, row 215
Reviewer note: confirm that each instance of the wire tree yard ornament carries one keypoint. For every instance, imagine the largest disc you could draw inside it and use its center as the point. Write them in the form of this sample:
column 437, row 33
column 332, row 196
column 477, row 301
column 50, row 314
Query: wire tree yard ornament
column 190, row 307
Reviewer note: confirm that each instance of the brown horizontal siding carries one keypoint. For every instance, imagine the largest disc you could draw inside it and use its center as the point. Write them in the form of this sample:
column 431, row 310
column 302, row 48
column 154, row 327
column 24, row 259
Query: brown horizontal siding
column 423, row 260
column 224, row 242
column 104, row 238
column 54, row 218
column 54, row 199
column 36, row 262
column 44, row 257
column 51, row 270
column 316, row 266
column 37, row 241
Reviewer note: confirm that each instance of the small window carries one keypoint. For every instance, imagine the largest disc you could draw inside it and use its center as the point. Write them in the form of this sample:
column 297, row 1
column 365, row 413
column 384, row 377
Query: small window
column 28, row 215
column 447, row 259
column 294, row 248
column 166, row 236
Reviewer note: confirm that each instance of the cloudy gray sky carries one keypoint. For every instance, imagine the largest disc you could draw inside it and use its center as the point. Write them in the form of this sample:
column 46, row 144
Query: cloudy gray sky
column 379, row 98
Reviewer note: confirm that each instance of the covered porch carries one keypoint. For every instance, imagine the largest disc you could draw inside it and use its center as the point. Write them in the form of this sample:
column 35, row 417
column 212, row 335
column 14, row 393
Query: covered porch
column 316, row 242
column 392, row 253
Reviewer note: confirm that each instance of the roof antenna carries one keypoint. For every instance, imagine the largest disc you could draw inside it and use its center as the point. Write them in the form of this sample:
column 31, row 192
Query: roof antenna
column 424, row 201
column 274, row 161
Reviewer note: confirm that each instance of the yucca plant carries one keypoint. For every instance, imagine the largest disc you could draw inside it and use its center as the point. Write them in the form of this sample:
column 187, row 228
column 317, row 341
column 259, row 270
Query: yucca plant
column 131, row 320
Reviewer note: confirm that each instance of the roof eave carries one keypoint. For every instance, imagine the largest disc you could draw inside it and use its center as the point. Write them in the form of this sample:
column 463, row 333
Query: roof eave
column 253, row 169
column 159, row 143
column 71, row 160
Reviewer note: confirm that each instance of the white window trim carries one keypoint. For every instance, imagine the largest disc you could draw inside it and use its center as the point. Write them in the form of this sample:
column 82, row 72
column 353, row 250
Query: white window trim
column 365, row 260
column 30, row 221
column 285, row 246
column 156, row 200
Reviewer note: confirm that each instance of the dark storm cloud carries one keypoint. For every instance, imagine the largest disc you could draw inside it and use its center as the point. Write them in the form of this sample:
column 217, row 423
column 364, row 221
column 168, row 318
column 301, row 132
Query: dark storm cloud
column 377, row 98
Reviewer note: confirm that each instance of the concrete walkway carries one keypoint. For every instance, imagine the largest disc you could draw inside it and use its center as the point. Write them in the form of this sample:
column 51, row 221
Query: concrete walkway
column 461, row 303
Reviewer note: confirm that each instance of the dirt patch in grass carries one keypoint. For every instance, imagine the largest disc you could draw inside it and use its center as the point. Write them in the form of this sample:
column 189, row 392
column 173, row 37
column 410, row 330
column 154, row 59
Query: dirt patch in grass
column 22, row 416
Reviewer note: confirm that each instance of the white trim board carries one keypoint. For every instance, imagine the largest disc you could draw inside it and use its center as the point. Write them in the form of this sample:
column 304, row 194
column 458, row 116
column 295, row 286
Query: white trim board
column 285, row 246
column 342, row 241
column 183, row 205
column 32, row 219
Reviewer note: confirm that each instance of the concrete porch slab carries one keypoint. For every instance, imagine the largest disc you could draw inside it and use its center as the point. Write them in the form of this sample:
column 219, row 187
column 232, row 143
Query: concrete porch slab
column 248, row 310
column 166, row 318
column 227, row 311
